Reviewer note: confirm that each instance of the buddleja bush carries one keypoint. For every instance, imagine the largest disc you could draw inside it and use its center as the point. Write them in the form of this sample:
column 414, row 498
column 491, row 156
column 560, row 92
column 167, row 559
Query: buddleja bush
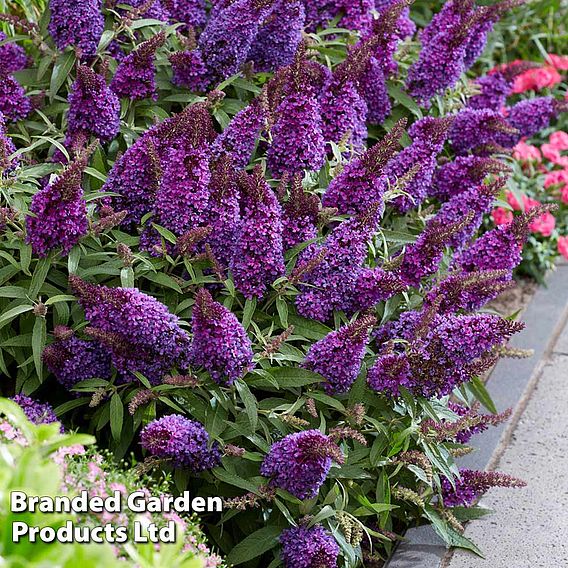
column 240, row 242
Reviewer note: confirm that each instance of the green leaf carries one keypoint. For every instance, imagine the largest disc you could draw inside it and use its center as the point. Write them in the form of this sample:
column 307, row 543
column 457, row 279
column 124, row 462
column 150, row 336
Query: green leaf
column 116, row 416
column 127, row 277
column 286, row 377
column 232, row 479
column 38, row 343
column 250, row 403
column 163, row 280
column 11, row 314
column 248, row 312
column 282, row 308
column 254, row 545
column 71, row 405
column 61, row 70
column 477, row 388
column 40, row 274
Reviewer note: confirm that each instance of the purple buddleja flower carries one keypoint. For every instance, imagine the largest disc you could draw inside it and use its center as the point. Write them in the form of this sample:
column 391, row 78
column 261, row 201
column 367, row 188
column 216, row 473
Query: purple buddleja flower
column 36, row 412
column 473, row 129
column 239, row 138
column 300, row 216
column 469, row 291
column 357, row 15
column 135, row 75
column 93, row 107
column 390, row 372
column 475, row 203
column 361, row 182
column 258, row 258
column 300, row 462
column 72, row 360
column 473, row 484
column 339, row 355
column 501, row 248
column 12, row 56
column 226, row 40
column 279, row 36
column 480, row 422
column 530, row 116
column 190, row 12
column 58, row 211
column 304, row 547
column 495, row 89
column 416, row 164
column 224, row 215
column 423, row 258
column 183, row 442
column 138, row 330
column 328, row 272
column 373, row 88
column 297, row 133
column 79, row 23
column 183, row 195
column 153, row 9
column 463, row 174
column 6, row 149
column 220, row 343
column 189, row 70
column 14, row 104
column 373, row 285
column 135, row 175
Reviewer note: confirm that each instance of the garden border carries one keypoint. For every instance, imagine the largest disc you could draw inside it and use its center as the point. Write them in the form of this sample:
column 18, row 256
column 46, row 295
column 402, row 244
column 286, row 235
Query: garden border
column 511, row 384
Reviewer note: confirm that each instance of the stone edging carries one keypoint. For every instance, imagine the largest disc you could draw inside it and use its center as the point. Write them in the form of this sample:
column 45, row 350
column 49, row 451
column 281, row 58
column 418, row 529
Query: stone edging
column 510, row 384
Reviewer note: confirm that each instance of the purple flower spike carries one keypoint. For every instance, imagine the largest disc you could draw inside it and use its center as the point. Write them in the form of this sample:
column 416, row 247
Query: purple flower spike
column 220, row 342
column 182, row 441
column 6, row 149
column 193, row 13
column 339, row 355
column 189, row 70
column 300, row 462
column 389, row 373
column 36, row 412
column 300, row 216
column 14, row 104
column 93, row 107
column 135, row 75
column 304, row 547
column 12, row 56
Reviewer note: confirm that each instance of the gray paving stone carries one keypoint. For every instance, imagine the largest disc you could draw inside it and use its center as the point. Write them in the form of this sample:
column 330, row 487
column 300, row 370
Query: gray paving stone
column 529, row 528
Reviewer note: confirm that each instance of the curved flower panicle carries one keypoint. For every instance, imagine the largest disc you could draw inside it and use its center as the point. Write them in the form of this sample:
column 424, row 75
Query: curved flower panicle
column 184, row 442
column 220, row 342
column 300, row 215
column 76, row 22
column 495, row 89
column 339, row 355
column 193, row 13
column 14, row 104
column 73, row 360
column 135, row 75
column 6, row 149
column 139, row 331
column 258, row 257
column 300, row 462
column 36, row 412
column 12, row 56
column 93, row 107
column 304, row 547
column 59, row 211
column 533, row 115
column 189, row 70
column 390, row 372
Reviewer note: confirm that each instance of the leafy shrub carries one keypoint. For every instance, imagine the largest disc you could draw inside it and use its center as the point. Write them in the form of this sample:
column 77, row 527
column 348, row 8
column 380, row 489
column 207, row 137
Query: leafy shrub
column 248, row 275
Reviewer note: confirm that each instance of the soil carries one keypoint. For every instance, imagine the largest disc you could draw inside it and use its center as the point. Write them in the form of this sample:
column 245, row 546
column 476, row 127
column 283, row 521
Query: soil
column 516, row 299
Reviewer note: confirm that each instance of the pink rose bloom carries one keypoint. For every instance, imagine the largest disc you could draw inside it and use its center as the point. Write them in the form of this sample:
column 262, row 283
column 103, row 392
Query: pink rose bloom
column 556, row 177
column 550, row 153
column 559, row 140
column 564, row 194
column 526, row 152
column 544, row 224
column 502, row 216
column 563, row 246
column 528, row 202
column 558, row 61
column 536, row 79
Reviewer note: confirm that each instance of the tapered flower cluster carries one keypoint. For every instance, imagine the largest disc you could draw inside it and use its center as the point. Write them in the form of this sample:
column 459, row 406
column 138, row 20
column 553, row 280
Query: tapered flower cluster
column 304, row 547
column 72, row 360
column 138, row 331
column 190, row 12
column 390, row 372
column 135, row 75
column 300, row 462
column 416, row 163
column 362, row 182
column 79, row 23
column 14, row 104
column 36, row 412
column 93, row 107
column 533, row 115
column 339, row 355
column 300, row 215
column 6, row 149
column 58, row 211
column 472, row 484
column 183, row 442
column 258, row 258
column 189, row 70
column 12, row 56
column 495, row 89
column 220, row 342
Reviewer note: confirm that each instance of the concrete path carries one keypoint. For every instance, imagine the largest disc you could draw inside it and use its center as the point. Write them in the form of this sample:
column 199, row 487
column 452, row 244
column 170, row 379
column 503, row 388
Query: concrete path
column 529, row 528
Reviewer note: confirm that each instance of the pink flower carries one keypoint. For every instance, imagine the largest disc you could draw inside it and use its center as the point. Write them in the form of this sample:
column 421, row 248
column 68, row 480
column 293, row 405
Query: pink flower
column 556, row 177
column 564, row 194
column 528, row 202
column 550, row 153
column 559, row 140
column 563, row 246
column 526, row 152
column 536, row 79
column 502, row 216
column 558, row 61
column 544, row 224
